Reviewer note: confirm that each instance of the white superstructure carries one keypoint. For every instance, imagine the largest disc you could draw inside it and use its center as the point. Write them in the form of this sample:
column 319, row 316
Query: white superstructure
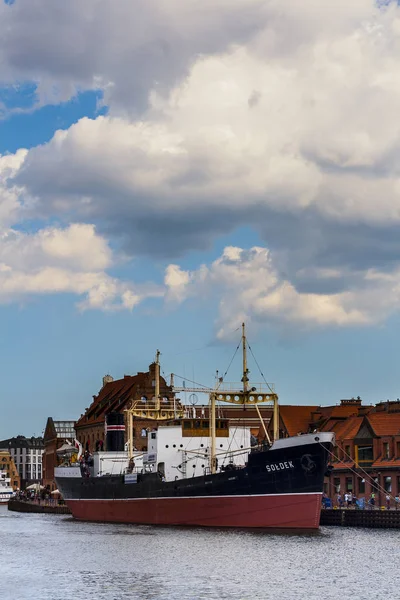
column 179, row 457
column 171, row 454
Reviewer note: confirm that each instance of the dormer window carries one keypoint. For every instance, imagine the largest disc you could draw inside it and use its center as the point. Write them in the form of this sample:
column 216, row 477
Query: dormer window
column 386, row 450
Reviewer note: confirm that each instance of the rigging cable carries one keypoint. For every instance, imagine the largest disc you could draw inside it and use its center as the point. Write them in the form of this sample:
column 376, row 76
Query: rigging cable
column 259, row 368
column 372, row 482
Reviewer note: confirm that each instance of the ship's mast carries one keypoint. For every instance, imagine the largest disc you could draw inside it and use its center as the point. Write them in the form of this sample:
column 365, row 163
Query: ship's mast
column 157, row 378
column 245, row 396
column 152, row 409
column 213, row 453
column 245, row 378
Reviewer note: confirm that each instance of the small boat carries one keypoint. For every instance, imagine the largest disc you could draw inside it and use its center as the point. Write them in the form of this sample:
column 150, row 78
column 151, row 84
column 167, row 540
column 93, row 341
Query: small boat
column 6, row 491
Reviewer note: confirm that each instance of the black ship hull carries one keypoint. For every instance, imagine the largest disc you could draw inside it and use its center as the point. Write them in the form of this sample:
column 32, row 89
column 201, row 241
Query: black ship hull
column 280, row 487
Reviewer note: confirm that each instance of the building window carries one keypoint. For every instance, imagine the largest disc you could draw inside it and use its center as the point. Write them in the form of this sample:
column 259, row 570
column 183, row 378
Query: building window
column 386, row 451
column 347, row 452
column 349, row 484
column 365, row 454
column 375, row 484
column 336, row 484
column 361, row 486
column 387, row 484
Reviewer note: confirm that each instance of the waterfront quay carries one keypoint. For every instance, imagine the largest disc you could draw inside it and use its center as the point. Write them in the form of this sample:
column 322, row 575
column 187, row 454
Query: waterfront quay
column 371, row 519
column 38, row 506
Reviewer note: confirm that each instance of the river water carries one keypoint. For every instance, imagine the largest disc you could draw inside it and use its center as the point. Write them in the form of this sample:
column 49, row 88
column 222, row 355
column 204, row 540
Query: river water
column 53, row 557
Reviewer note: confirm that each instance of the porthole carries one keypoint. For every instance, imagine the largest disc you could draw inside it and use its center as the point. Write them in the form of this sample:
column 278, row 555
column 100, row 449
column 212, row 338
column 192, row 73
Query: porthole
column 181, row 446
column 221, row 445
column 194, row 466
column 174, row 445
column 167, row 446
column 201, row 445
column 241, row 446
column 202, row 466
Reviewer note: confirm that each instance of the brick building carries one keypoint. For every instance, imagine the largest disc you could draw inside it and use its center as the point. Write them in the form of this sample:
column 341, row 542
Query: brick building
column 7, row 464
column 117, row 396
column 367, row 454
column 56, row 434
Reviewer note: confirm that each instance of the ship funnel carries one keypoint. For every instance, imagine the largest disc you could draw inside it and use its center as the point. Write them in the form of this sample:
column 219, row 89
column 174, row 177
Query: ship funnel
column 115, row 432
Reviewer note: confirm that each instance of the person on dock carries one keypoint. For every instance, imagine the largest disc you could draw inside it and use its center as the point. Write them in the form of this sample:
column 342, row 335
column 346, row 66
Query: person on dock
column 387, row 502
column 371, row 501
column 339, row 501
column 396, row 502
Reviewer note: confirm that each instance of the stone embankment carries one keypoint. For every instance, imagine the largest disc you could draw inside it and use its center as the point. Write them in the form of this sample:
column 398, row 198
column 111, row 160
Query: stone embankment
column 373, row 519
column 26, row 506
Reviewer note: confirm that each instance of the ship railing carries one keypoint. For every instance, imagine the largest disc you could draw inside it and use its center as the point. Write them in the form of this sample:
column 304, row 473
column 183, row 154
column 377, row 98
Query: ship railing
column 257, row 388
column 153, row 404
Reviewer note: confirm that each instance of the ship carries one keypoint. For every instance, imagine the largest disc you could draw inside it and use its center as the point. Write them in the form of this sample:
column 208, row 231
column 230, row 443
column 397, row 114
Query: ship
column 199, row 469
column 6, row 491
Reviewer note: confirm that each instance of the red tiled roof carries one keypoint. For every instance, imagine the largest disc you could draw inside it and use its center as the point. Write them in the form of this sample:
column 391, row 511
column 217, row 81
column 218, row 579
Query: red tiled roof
column 384, row 423
column 343, row 465
column 343, row 411
column 349, row 428
column 386, row 463
column 114, row 395
column 331, row 425
column 296, row 419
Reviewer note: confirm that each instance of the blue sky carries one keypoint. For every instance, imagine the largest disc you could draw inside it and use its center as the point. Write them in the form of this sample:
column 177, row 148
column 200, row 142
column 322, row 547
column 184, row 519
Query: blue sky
column 168, row 173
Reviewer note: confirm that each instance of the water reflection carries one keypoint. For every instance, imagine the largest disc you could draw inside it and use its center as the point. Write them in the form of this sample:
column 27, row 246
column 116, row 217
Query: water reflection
column 53, row 557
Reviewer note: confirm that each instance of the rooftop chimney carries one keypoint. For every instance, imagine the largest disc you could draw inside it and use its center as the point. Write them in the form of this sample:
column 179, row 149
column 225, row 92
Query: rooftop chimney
column 352, row 402
column 107, row 379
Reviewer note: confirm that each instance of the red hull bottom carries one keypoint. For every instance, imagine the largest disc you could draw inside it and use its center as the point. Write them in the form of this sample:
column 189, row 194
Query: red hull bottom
column 292, row 511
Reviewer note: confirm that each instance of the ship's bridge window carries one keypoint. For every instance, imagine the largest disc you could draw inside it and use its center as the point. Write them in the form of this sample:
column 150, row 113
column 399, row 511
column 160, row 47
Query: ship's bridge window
column 187, row 425
column 205, row 424
column 197, row 424
column 153, row 435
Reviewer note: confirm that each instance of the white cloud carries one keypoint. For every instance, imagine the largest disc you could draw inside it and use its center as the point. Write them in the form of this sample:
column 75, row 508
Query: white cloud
column 124, row 48
column 310, row 129
column 9, row 193
column 71, row 260
column 248, row 287
column 176, row 281
column 278, row 116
